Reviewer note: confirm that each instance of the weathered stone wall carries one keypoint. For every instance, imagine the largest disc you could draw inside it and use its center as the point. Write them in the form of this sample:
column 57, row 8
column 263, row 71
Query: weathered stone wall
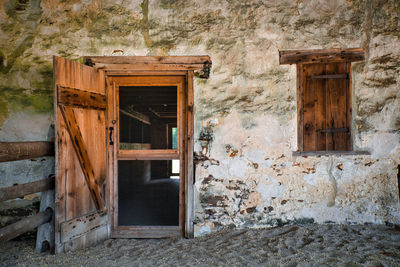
column 246, row 175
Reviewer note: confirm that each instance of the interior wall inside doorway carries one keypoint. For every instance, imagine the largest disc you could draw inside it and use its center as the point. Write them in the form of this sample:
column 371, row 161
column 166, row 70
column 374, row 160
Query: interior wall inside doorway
column 148, row 190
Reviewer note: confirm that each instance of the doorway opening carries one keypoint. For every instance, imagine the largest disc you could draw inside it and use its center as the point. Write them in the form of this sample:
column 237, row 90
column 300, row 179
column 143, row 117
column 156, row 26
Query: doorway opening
column 150, row 122
column 148, row 190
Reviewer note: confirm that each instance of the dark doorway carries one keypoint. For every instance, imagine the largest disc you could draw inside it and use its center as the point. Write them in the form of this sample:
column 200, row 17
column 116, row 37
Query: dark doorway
column 148, row 190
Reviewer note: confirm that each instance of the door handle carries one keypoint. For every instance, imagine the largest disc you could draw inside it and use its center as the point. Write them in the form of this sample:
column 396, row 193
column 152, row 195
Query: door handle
column 111, row 137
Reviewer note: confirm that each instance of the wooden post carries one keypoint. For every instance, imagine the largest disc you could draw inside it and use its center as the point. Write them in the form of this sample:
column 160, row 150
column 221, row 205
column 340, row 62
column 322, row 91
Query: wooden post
column 45, row 232
column 11, row 231
column 21, row 190
column 11, row 151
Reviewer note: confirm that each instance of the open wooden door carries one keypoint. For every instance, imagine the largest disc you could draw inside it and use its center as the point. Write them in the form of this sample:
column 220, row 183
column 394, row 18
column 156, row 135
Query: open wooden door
column 80, row 104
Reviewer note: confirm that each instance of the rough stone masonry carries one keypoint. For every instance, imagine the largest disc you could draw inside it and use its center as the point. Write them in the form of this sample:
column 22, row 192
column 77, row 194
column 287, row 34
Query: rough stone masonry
column 245, row 113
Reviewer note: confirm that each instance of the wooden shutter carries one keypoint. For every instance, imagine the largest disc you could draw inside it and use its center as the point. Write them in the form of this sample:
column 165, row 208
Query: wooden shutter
column 80, row 104
column 326, row 105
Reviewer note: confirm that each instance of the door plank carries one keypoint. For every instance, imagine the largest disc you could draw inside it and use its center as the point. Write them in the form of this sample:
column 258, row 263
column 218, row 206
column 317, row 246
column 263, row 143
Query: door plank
column 95, row 236
column 62, row 172
column 337, row 109
column 349, row 108
column 300, row 108
column 79, row 98
column 81, row 152
column 309, row 95
column 189, row 228
column 82, row 225
column 320, row 107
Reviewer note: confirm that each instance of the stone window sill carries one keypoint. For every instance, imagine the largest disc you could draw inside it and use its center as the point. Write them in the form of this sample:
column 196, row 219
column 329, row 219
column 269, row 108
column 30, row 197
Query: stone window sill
column 329, row 153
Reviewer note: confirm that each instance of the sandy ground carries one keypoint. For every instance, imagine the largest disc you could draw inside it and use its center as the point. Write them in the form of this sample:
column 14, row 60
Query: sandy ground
column 308, row 245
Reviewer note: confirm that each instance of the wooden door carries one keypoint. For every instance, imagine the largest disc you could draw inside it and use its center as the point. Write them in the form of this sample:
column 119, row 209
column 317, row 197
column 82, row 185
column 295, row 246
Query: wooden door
column 80, row 104
column 147, row 153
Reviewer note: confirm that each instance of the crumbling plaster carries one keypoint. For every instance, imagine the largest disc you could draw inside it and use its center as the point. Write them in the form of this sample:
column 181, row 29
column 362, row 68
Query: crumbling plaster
column 245, row 114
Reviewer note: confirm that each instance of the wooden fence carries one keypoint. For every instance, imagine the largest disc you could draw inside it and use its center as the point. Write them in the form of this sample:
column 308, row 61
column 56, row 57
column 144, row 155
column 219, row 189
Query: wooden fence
column 11, row 151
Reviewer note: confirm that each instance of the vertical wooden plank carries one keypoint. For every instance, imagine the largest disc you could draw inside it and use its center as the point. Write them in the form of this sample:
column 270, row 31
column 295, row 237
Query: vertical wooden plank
column 116, row 148
column 182, row 137
column 78, row 196
column 110, row 154
column 320, row 107
column 314, row 110
column 58, row 71
column 83, row 80
column 300, row 103
column 330, row 84
column 189, row 231
column 309, row 110
column 116, row 135
column 73, row 196
column 113, row 150
column 337, row 108
column 349, row 105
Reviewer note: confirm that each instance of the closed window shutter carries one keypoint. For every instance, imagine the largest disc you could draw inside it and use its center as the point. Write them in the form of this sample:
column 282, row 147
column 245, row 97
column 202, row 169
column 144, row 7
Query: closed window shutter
column 326, row 106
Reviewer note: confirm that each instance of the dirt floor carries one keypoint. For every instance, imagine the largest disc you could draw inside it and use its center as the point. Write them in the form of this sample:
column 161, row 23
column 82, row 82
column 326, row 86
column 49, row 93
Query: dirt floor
column 307, row 245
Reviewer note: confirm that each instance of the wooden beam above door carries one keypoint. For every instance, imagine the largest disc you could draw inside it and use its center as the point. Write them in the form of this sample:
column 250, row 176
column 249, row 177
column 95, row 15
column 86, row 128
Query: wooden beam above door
column 321, row 56
column 148, row 60
column 112, row 64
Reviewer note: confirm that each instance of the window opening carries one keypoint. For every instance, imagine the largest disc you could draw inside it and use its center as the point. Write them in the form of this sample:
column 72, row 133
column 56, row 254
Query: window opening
column 324, row 97
column 326, row 105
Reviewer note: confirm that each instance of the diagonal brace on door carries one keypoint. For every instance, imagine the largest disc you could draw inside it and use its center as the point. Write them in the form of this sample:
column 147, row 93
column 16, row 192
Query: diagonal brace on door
column 83, row 156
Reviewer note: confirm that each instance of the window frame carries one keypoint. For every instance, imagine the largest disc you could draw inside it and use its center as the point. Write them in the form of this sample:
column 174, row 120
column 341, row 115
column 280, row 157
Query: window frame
column 301, row 95
column 320, row 56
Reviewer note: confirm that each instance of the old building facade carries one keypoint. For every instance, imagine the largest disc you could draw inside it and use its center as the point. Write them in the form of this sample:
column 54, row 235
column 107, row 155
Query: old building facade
column 245, row 115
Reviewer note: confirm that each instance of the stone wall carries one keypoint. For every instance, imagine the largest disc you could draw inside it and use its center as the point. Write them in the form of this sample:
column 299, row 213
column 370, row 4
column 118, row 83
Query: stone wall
column 246, row 175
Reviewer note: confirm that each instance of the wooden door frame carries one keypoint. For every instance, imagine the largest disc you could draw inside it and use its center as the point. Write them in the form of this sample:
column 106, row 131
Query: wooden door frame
column 126, row 66
column 185, row 139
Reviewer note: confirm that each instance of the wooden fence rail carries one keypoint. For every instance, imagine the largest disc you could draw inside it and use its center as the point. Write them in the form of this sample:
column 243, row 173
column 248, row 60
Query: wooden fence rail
column 27, row 224
column 44, row 220
column 16, row 191
column 11, row 151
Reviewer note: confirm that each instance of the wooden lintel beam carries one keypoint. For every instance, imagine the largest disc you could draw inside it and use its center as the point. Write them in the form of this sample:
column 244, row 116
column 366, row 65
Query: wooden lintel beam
column 11, row 151
column 321, row 56
column 21, row 190
column 79, row 98
column 113, row 64
column 136, row 115
column 150, row 67
column 147, row 60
